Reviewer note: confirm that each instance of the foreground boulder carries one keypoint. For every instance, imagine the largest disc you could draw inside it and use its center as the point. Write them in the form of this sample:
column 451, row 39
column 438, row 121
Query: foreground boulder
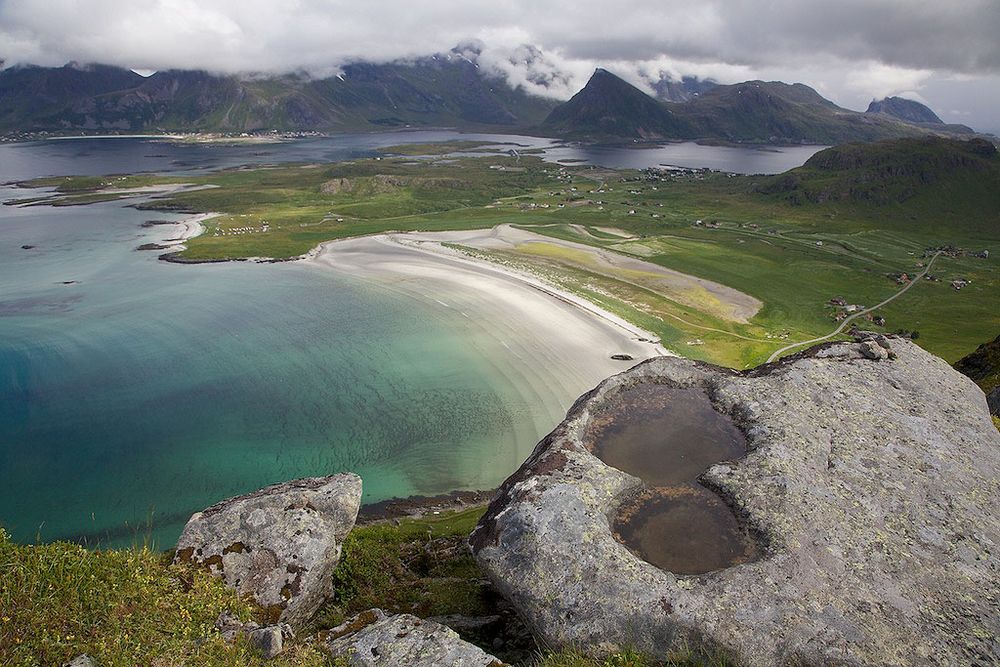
column 372, row 639
column 871, row 487
column 279, row 544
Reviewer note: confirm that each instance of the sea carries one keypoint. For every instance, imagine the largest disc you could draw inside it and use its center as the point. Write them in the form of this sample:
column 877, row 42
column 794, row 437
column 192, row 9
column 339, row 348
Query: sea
column 134, row 392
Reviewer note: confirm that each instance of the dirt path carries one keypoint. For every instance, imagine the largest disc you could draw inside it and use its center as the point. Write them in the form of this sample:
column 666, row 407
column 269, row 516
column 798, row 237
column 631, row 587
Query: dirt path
column 856, row 315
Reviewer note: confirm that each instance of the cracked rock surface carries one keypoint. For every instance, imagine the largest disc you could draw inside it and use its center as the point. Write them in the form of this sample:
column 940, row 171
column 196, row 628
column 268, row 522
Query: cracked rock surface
column 873, row 486
column 279, row 544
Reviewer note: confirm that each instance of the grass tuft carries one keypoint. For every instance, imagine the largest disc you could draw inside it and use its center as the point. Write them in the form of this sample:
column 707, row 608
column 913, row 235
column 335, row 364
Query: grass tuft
column 122, row 608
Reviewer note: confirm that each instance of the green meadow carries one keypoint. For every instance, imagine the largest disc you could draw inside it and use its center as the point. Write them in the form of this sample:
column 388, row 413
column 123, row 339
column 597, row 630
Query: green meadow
column 753, row 234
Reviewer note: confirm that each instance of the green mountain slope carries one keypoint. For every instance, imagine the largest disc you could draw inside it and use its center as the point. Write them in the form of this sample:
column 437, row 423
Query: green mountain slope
column 983, row 367
column 904, row 109
column 775, row 112
column 929, row 182
column 438, row 91
column 608, row 108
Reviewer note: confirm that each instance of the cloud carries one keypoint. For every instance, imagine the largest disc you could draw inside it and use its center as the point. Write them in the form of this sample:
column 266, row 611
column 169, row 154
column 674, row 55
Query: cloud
column 851, row 50
column 957, row 35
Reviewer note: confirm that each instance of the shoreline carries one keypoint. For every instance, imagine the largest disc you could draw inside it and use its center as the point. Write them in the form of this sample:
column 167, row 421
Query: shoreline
column 419, row 242
column 191, row 227
column 418, row 506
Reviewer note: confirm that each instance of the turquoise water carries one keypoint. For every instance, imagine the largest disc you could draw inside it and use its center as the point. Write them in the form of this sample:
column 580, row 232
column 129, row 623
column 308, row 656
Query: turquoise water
column 151, row 390
column 134, row 392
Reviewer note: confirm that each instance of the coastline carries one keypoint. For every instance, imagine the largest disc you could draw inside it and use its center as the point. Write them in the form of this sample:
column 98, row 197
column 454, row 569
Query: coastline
column 542, row 348
column 192, row 227
column 392, row 250
column 419, row 506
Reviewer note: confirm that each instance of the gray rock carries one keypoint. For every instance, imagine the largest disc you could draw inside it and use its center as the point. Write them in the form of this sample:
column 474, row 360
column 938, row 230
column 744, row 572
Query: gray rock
column 229, row 626
column 871, row 349
column 371, row 639
column 81, row 661
column 268, row 640
column 279, row 544
column 875, row 488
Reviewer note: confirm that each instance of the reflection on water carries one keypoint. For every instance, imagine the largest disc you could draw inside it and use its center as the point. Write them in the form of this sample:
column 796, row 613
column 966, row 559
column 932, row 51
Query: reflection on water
column 667, row 436
column 132, row 155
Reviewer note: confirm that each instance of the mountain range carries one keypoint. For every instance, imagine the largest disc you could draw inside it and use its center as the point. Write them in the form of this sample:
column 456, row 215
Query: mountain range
column 611, row 109
column 446, row 90
column 436, row 91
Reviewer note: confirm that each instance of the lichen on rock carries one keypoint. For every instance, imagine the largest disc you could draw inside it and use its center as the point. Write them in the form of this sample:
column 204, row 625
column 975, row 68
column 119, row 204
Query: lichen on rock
column 373, row 639
column 279, row 544
column 873, row 486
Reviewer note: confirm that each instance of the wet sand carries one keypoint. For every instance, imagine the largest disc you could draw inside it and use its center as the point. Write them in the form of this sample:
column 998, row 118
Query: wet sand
column 558, row 343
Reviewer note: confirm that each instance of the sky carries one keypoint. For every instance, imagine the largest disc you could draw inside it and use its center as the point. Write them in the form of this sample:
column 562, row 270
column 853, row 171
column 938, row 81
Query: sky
column 945, row 53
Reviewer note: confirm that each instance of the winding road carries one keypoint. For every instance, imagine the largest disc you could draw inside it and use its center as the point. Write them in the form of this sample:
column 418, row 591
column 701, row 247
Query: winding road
column 858, row 314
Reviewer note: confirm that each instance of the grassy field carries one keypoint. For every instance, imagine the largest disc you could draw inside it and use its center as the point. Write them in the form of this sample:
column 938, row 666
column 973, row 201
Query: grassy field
column 123, row 608
column 131, row 607
column 793, row 257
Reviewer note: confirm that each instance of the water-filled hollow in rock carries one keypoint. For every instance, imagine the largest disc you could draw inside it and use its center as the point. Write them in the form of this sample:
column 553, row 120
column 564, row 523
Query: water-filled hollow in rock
column 667, row 436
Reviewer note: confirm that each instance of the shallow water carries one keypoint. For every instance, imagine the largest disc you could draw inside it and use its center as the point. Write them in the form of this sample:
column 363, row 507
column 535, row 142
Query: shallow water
column 148, row 390
column 667, row 436
column 664, row 435
column 685, row 530
column 134, row 392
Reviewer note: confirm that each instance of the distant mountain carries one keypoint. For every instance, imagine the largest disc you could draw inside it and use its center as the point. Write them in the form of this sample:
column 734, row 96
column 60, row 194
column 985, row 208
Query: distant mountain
column 960, row 173
column 447, row 90
column 608, row 108
column 441, row 91
column 775, row 112
column 669, row 90
column 903, row 109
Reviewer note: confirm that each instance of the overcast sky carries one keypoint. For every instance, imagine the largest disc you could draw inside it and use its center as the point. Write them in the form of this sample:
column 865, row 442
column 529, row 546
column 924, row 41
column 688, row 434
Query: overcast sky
column 943, row 52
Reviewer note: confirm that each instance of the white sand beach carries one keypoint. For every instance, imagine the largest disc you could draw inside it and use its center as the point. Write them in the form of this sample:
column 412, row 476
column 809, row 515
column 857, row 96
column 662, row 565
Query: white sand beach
column 550, row 343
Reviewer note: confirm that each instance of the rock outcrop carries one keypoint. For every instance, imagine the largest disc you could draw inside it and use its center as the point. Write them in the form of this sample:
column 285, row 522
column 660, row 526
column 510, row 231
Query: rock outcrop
column 872, row 487
column 269, row 639
column 81, row 661
column 279, row 544
column 372, row 639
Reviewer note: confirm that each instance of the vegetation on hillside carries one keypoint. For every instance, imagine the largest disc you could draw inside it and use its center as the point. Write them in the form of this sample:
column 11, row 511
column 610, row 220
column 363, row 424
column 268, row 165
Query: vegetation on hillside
column 444, row 91
column 894, row 172
column 610, row 109
column 123, row 608
column 131, row 607
column 983, row 365
column 797, row 256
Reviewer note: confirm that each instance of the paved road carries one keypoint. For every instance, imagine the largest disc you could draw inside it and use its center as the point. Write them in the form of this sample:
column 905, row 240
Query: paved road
column 858, row 314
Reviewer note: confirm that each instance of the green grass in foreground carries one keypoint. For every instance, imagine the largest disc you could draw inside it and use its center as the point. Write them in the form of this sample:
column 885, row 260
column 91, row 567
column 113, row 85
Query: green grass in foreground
column 131, row 607
column 421, row 567
column 123, row 608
